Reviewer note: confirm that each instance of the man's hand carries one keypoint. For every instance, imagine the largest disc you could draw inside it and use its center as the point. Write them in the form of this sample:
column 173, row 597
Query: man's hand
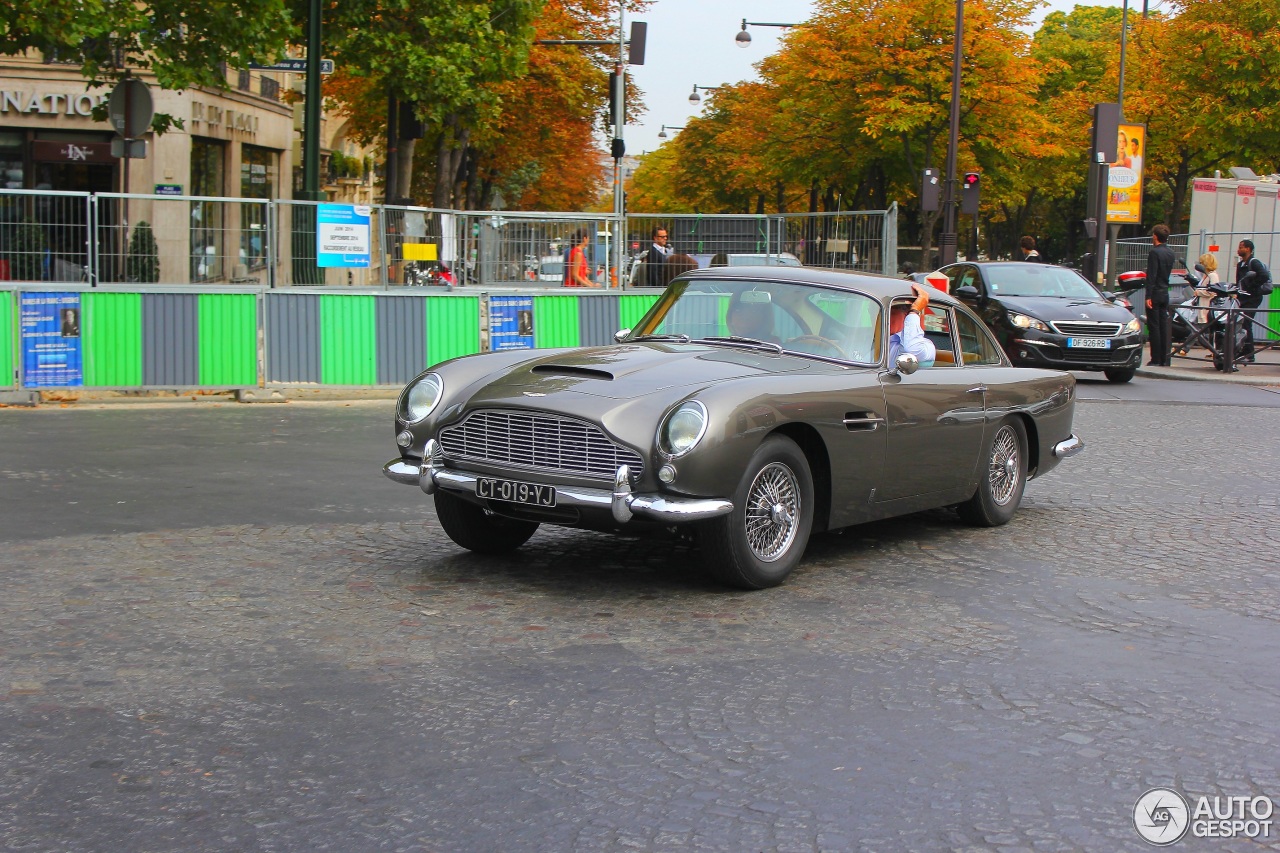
column 922, row 298
column 1149, row 305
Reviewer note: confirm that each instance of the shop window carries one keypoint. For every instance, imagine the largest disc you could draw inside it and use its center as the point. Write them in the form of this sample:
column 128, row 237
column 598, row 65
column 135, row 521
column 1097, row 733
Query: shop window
column 257, row 181
column 207, row 179
column 244, row 84
column 269, row 88
column 11, row 159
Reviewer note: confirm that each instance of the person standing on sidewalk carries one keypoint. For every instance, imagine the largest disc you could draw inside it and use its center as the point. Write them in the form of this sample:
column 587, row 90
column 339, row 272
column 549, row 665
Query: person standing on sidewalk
column 1159, row 319
column 1254, row 280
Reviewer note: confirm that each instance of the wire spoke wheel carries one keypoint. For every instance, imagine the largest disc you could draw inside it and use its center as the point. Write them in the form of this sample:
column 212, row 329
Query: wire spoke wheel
column 1005, row 471
column 772, row 512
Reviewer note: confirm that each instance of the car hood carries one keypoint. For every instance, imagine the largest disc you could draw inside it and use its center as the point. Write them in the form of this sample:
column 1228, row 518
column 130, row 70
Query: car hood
column 626, row 371
column 1067, row 308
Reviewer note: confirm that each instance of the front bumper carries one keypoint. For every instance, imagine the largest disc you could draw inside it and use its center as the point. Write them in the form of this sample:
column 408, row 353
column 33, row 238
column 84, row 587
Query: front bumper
column 1068, row 448
column 620, row 502
column 1038, row 349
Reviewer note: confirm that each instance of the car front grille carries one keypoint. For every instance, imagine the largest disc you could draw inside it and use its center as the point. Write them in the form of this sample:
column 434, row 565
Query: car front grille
column 1090, row 356
column 538, row 441
column 1088, row 328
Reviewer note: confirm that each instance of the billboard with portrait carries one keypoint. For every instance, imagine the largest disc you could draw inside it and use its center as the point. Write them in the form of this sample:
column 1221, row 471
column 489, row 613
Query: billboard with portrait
column 1124, row 180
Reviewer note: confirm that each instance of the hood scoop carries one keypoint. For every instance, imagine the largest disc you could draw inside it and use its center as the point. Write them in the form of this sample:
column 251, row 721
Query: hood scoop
column 572, row 370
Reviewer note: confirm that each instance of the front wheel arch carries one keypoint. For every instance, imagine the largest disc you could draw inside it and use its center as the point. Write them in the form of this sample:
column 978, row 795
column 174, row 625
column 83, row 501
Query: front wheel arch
column 815, row 451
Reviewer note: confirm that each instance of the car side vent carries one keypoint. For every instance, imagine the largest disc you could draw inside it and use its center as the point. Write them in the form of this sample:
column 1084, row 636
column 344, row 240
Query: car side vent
column 862, row 421
column 572, row 370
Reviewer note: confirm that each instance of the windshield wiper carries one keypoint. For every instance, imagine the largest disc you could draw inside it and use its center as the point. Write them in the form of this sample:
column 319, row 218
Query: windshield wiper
column 682, row 338
column 750, row 342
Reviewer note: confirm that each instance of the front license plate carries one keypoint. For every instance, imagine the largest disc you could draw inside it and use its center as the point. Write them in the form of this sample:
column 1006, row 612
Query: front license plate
column 516, row 493
column 1089, row 343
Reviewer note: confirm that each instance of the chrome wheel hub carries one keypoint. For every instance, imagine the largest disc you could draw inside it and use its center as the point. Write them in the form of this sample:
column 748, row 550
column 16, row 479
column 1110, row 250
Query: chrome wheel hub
column 773, row 512
column 1005, row 469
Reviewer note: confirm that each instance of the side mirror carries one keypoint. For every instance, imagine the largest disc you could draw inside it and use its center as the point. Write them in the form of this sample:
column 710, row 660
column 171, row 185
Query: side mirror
column 1200, row 268
column 968, row 291
column 621, row 335
column 1109, row 296
column 906, row 364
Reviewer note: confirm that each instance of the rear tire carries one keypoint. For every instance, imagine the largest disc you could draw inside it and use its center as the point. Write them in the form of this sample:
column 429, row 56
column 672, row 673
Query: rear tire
column 476, row 529
column 1118, row 375
column 1003, row 477
column 762, row 540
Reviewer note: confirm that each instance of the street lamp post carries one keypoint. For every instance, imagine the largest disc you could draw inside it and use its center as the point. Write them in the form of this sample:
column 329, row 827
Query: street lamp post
column 695, row 98
column 662, row 134
column 743, row 38
column 947, row 245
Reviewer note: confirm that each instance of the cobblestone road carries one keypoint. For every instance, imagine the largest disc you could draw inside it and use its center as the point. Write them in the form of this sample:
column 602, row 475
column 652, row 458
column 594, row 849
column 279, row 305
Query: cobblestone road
column 224, row 630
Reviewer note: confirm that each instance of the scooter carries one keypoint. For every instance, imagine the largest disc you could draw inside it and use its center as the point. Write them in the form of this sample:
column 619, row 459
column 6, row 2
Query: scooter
column 1212, row 333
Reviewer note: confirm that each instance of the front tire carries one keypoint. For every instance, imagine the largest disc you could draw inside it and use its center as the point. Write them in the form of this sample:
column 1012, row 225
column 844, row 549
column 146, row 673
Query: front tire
column 476, row 529
column 1118, row 375
column 1003, row 479
column 762, row 540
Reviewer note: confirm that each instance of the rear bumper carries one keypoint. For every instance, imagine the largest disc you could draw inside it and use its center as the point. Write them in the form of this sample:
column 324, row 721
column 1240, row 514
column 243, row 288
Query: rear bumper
column 620, row 502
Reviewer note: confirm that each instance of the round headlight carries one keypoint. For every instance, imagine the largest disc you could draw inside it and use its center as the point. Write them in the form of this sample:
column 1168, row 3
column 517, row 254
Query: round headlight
column 684, row 428
column 422, row 397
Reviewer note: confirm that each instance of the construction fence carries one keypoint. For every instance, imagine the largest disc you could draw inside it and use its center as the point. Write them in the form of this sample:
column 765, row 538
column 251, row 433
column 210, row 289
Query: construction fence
column 102, row 239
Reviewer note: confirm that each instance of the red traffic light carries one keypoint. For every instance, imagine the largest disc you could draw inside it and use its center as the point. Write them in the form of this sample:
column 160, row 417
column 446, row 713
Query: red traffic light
column 970, row 180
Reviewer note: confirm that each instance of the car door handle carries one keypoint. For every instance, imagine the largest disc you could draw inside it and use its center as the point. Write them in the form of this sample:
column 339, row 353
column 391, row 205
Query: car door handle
column 977, row 389
column 862, row 421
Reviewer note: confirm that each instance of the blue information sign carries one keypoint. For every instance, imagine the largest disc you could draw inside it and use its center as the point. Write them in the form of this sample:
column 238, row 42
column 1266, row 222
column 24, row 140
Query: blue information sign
column 51, row 355
column 342, row 235
column 510, row 322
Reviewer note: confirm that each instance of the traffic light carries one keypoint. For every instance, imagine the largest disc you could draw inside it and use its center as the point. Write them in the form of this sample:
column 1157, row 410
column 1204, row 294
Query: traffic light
column 930, row 191
column 969, row 192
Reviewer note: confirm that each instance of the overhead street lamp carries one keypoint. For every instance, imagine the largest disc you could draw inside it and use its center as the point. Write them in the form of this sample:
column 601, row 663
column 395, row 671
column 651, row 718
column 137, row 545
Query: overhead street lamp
column 743, row 38
column 662, row 134
column 695, row 98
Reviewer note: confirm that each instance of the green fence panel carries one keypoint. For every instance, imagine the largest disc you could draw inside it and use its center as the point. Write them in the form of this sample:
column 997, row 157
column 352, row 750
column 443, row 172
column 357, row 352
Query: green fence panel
column 7, row 338
column 111, row 326
column 453, row 327
column 348, row 340
column 1271, row 321
column 228, row 339
column 633, row 306
column 555, row 321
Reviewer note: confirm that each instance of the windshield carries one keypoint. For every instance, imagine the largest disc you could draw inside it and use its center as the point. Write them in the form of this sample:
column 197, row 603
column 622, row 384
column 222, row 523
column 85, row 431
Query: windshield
column 798, row 318
column 1038, row 280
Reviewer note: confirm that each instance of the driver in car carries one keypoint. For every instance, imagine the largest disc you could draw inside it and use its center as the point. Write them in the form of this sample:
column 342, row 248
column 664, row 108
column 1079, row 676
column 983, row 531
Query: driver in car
column 906, row 334
column 750, row 315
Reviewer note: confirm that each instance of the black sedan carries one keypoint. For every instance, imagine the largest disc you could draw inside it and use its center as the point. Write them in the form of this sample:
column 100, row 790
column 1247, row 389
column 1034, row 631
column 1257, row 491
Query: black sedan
column 1049, row 316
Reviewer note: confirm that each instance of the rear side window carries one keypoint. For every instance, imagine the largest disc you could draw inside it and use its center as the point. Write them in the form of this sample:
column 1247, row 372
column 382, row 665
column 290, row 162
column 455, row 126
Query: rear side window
column 975, row 341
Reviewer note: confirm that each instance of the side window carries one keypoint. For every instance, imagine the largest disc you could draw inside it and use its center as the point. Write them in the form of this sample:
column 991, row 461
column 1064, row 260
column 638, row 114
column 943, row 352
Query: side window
column 969, row 278
column 937, row 328
column 975, row 341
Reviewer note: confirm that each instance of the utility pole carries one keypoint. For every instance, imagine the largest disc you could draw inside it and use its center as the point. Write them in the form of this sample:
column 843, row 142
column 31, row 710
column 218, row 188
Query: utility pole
column 951, row 201
column 311, row 114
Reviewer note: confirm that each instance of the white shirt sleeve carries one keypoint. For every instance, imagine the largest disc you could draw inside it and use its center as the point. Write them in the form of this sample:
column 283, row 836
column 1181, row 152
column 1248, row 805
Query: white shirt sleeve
column 912, row 339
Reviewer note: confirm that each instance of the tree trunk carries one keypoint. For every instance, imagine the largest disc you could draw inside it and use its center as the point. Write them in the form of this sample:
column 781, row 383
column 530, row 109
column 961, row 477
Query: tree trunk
column 404, row 168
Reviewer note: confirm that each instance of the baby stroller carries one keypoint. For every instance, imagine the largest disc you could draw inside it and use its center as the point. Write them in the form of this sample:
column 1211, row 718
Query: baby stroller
column 1207, row 325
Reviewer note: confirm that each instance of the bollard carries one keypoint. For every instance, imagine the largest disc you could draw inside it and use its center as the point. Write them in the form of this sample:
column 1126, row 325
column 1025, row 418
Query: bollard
column 1229, row 342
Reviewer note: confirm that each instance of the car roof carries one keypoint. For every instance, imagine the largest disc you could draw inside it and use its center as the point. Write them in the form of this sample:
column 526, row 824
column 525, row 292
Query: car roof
column 880, row 286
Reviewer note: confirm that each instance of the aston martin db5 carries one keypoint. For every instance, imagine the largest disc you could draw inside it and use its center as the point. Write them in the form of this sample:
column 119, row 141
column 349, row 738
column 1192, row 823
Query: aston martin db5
column 750, row 407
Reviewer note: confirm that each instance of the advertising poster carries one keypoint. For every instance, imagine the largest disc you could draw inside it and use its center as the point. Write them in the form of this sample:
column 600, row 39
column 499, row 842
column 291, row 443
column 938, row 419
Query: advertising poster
column 342, row 235
column 1124, row 184
column 51, row 355
column 510, row 322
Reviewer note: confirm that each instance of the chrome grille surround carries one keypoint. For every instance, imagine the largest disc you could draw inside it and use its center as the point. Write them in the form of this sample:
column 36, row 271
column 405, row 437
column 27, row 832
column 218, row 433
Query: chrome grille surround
column 1086, row 328
column 538, row 441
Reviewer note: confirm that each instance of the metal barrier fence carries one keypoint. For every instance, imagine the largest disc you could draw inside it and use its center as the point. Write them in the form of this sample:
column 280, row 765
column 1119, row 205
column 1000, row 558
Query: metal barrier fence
column 118, row 239
column 1220, row 331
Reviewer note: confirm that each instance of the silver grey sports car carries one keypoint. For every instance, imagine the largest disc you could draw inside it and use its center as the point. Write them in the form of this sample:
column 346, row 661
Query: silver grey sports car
column 750, row 407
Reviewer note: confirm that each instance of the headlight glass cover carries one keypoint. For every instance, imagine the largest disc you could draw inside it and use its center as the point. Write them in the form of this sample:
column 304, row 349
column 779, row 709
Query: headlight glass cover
column 1022, row 321
column 1132, row 327
column 422, row 397
column 684, row 428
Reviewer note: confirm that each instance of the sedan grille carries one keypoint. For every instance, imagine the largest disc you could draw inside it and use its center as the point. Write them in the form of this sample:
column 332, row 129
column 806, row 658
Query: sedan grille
column 538, row 441
column 1089, row 328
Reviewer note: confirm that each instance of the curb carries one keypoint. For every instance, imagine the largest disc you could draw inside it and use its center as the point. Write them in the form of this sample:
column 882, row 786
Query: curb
column 1192, row 376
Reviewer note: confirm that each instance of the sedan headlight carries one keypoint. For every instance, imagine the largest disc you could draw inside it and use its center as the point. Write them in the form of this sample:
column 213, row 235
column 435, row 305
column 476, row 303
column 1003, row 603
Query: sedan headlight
column 421, row 397
column 1022, row 321
column 683, row 429
column 1132, row 327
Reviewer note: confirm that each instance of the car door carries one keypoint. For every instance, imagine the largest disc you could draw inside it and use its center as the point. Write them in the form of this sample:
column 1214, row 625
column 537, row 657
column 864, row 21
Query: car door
column 935, row 419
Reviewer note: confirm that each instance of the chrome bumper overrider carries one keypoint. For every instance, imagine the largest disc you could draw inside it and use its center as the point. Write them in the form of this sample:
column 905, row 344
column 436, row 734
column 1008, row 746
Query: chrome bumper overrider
column 1068, row 448
column 620, row 501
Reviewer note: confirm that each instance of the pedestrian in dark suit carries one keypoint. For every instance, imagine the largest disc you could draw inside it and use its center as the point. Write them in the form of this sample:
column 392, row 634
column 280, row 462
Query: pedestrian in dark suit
column 653, row 274
column 1252, row 277
column 1159, row 319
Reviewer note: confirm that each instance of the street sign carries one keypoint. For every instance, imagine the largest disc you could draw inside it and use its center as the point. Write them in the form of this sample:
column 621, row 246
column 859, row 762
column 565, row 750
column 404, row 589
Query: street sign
column 130, row 108
column 133, row 149
column 293, row 66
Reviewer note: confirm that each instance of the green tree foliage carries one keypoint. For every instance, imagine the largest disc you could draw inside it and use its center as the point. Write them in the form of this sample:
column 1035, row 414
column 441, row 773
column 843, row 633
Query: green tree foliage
column 142, row 264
